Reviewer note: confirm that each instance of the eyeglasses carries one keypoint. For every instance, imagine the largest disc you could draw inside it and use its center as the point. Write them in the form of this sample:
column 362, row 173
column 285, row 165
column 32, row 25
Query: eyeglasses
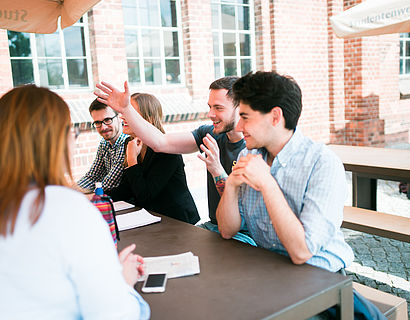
column 106, row 121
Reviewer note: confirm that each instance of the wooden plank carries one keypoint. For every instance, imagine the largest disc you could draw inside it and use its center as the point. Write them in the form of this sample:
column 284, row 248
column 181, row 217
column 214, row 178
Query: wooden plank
column 377, row 223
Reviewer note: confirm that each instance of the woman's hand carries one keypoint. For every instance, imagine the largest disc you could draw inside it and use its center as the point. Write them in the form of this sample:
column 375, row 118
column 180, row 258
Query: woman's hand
column 132, row 265
column 133, row 150
column 112, row 97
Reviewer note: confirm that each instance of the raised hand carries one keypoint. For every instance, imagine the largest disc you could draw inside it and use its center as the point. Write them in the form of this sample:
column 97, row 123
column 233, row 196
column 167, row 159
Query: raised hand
column 211, row 156
column 112, row 97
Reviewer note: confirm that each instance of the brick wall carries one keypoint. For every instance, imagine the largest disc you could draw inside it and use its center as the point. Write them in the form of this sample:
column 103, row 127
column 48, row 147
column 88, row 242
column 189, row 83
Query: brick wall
column 6, row 77
column 301, row 50
column 350, row 87
column 197, row 44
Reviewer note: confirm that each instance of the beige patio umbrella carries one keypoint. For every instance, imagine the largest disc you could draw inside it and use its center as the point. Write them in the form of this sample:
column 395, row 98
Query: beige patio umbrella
column 41, row 16
column 373, row 17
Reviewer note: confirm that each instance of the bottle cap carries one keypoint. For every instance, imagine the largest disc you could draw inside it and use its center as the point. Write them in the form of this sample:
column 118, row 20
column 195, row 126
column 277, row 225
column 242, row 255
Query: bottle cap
column 98, row 189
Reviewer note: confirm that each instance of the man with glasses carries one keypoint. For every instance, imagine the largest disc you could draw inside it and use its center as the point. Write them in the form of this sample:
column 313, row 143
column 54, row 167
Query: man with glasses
column 109, row 161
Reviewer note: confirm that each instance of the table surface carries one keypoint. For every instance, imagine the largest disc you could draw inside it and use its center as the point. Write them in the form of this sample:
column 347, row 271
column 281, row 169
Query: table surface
column 237, row 281
column 383, row 163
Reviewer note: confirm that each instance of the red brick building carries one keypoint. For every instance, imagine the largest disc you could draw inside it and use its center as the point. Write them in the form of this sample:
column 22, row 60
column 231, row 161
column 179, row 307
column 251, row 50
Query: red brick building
column 354, row 91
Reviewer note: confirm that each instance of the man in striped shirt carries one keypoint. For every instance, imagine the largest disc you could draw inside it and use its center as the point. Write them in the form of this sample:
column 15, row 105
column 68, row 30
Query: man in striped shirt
column 286, row 189
column 108, row 164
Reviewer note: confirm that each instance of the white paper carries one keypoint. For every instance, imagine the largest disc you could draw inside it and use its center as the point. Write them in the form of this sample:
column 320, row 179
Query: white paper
column 122, row 205
column 179, row 265
column 135, row 219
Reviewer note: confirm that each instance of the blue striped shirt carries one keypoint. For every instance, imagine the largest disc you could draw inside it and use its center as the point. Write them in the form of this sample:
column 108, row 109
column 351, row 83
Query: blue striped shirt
column 107, row 167
column 312, row 179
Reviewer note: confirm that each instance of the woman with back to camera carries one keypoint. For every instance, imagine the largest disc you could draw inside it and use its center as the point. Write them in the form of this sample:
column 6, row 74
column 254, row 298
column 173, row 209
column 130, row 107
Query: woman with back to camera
column 58, row 260
column 154, row 181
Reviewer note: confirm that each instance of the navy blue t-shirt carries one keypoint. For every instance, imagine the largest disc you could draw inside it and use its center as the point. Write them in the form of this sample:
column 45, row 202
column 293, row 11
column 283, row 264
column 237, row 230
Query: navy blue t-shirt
column 228, row 153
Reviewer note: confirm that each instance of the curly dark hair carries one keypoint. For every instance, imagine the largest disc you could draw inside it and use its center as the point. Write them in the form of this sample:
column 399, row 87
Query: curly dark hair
column 263, row 91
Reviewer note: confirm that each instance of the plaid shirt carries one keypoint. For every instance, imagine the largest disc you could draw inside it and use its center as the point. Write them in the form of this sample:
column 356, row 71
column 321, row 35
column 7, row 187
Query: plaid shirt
column 107, row 166
column 313, row 182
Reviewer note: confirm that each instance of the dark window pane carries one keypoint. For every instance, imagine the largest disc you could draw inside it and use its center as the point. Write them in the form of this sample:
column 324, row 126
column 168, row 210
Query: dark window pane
column 150, row 43
column 245, row 44
column 243, row 1
column 245, row 66
column 51, row 73
column 408, row 66
column 407, row 48
column 129, row 10
column 215, row 37
column 215, row 16
column 48, row 45
column 243, row 18
column 77, row 72
column 149, row 13
column 229, row 44
column 401, row 48
column 19, row 44
column 171, row 44
column 230, row 67
column 131, row 43
column 134, row 71
column 401, row 66
column 173, row 75
column 217, row 69
column 228, row 17
column 152, row 70
column 168, row 13
column 74, row 42
column 22, row 71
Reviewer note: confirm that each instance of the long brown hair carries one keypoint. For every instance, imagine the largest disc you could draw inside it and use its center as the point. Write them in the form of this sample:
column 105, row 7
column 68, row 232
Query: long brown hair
column 34, row 127
column 150, row 109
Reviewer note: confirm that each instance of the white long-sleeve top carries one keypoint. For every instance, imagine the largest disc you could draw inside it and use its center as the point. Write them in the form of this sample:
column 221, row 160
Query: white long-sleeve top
column 65, row 266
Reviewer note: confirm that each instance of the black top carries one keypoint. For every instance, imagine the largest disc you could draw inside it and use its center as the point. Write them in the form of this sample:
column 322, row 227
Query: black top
column 158, row 184
column 228, row 154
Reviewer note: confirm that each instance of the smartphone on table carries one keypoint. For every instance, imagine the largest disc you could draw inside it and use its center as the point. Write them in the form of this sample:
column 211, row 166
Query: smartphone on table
column 155, row 282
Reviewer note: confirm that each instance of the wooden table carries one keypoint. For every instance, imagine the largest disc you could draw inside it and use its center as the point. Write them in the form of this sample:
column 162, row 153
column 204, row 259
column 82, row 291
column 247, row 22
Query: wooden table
column 368, row 164
column 237, row 281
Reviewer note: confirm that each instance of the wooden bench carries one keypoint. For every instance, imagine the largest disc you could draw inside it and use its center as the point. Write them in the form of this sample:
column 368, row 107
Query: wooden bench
column 393, row 307
column 377, row 223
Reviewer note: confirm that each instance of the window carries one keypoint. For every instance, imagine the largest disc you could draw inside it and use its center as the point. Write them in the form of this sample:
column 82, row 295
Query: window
column 232, row 37
column 153, row 41
column 405, row 53
column 57, row 61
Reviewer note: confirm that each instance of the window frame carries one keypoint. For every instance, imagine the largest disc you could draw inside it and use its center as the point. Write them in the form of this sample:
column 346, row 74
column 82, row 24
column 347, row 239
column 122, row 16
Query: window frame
column 237, row 32
column 162, row 58
column 406, row 58
column 35, row 59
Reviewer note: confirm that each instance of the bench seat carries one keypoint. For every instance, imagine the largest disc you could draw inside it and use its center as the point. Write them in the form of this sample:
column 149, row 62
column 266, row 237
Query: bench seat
column 393, row 307
column 377, row 223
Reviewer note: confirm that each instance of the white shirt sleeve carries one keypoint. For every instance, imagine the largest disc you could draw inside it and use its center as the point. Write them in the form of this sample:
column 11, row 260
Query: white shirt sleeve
column 92, row 264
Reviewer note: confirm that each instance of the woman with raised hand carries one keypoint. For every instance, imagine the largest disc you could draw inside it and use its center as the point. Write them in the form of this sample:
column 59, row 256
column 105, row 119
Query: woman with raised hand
column 58, row 260
column 152, row 180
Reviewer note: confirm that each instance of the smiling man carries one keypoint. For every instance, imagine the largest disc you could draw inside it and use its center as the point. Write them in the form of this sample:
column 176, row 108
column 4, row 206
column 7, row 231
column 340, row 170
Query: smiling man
column 288, row 190
column 219, row 142
column 109, row 161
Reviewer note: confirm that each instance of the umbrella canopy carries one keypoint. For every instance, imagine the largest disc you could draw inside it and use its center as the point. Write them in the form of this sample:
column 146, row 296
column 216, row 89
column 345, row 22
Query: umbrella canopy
column 373, row 17
column 41, row 16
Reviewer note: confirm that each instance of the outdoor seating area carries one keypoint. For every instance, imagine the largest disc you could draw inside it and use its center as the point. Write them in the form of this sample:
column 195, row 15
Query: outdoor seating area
column 205, row 159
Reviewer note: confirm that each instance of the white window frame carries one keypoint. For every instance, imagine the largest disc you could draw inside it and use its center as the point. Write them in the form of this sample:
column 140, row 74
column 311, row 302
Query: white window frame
column 161, row 57
column 404, row 78
column 34, row 58
column 251, row 32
